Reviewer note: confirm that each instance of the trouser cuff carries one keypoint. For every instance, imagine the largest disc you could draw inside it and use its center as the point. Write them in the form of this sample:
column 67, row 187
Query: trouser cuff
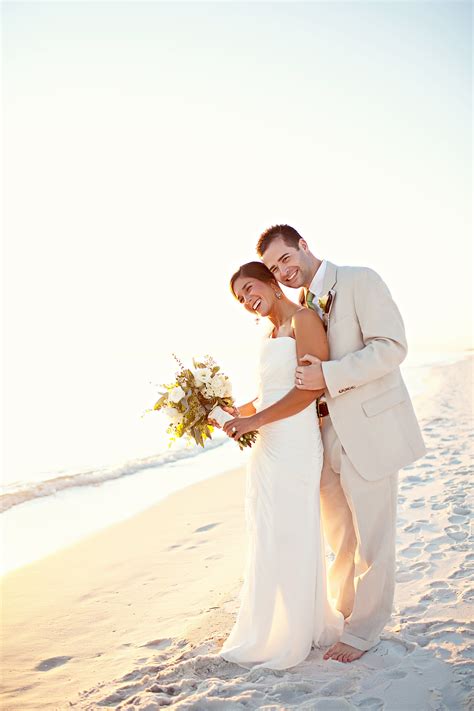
column 359, row 643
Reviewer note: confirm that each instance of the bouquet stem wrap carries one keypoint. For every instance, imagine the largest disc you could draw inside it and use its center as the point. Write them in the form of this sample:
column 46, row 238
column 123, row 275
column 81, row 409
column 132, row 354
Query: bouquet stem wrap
column 220, row 415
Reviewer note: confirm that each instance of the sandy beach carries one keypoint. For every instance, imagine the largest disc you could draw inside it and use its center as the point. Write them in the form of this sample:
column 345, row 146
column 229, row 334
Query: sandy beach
column 133, row 617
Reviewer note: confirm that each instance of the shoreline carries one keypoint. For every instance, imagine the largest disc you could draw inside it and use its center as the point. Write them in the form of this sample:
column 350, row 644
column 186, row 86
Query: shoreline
column 107, row 503
column 135, row 614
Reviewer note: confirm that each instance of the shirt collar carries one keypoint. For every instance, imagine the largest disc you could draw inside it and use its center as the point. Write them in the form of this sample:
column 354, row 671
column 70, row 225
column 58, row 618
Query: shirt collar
column 316, row 286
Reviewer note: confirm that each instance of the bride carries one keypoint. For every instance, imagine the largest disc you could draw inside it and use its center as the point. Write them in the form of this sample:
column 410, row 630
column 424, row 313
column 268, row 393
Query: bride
column 284, row 607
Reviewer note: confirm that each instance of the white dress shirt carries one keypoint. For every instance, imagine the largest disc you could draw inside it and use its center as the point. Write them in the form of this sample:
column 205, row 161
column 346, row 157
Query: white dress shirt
column 316, row 286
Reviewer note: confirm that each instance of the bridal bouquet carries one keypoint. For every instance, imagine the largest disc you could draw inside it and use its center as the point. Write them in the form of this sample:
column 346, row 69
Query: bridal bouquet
column 195, row 395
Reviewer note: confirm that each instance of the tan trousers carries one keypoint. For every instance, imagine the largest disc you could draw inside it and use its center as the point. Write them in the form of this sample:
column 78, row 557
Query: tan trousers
column 359, row 519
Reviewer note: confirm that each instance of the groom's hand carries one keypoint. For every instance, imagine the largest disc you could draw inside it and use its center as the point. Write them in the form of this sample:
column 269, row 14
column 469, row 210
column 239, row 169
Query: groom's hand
column 310, row 376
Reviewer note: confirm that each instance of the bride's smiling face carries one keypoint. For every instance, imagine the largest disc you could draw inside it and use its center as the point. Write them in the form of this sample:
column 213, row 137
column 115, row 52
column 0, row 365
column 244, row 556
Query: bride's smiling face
column 257, row 296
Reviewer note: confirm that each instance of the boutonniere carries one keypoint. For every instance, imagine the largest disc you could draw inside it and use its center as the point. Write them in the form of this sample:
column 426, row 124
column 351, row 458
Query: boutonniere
column 325, row 303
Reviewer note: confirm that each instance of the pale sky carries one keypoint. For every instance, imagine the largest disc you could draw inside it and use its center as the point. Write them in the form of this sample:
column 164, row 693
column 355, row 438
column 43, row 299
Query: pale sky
column 147, row 145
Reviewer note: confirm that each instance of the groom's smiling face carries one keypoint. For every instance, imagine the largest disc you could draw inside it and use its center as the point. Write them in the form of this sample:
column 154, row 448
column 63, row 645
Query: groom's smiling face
column 289, row 265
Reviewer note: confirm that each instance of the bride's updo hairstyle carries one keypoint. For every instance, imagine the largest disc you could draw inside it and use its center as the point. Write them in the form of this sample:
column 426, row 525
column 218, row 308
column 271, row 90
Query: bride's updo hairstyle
column 254, row 270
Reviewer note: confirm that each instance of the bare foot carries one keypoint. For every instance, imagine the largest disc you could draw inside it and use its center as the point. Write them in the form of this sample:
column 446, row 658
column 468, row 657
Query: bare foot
column 342, row 652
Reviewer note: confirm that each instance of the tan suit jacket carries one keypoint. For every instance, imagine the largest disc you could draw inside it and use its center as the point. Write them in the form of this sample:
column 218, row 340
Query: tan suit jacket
column 368, row 402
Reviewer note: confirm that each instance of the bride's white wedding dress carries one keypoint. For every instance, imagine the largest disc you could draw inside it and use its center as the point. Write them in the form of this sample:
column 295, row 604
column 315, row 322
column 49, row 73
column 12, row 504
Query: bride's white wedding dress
column 284, row 607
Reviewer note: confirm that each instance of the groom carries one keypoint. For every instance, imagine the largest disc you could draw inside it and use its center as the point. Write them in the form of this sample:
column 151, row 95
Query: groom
column 369, row 432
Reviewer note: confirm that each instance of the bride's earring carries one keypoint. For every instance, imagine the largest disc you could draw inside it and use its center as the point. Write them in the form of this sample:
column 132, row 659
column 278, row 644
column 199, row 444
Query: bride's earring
column 278, row 294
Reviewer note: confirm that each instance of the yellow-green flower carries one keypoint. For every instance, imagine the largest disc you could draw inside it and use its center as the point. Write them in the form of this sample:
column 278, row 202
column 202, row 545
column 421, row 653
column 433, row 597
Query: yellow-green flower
column 323, row 302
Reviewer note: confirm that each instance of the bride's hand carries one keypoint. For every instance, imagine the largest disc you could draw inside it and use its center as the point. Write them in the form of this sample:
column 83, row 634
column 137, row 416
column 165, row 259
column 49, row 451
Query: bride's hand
column 239, row 426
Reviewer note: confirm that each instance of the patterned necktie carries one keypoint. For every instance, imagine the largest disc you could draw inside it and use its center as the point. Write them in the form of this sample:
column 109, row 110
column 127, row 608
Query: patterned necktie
column 309, row 298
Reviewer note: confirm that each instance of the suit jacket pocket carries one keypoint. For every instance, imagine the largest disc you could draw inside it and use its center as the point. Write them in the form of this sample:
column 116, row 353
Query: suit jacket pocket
column 382, row 402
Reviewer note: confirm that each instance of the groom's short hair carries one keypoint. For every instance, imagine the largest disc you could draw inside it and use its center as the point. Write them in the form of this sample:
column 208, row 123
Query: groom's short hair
column 288, row 234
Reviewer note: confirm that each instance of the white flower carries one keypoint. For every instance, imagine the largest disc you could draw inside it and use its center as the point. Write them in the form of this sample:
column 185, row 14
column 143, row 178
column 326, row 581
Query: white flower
column 227, row 388
column 224, row 385
column 219, row 386
column 176, row 394
column 174, row 415
column 202, row 376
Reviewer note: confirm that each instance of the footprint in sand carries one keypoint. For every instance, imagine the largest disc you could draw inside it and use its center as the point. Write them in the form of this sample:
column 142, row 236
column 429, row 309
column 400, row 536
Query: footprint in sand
column 414, row 610
column 405, row 575
column 390, row 650
column 461, row 510
column 372, row 704
column 422, row 565
column 342, row 686
column 133, row 675
column 457, row 498
column 51, row 663
column 461, row 572
column 413, row 479
column 417, row 628
column 442, row 595
column 455, row 533
column 412, row 528
column 435, row 544
column 115, row 698
column 395, row 674
column 158, row 643
column 168, row 689
column 439, row 584
column 413, row 550
column 206, row 528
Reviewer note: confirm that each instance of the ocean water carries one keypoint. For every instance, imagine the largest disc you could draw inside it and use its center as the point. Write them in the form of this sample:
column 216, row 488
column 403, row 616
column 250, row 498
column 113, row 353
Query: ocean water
column 110, row 462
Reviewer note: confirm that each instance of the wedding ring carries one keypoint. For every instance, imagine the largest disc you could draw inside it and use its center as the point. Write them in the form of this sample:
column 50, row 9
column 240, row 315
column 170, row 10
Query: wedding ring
column 234, row 429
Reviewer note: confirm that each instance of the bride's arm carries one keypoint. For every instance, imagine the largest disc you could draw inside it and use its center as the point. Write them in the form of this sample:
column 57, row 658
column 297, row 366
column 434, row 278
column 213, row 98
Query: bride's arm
column 310, row 338
column 247, row 409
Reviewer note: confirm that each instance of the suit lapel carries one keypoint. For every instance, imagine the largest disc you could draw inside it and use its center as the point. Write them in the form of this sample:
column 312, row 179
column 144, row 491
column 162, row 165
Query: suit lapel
column 329, row 282
column 330, row 277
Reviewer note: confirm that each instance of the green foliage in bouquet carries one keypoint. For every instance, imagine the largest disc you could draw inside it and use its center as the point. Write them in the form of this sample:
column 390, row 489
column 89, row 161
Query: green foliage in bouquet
column 191, row 397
